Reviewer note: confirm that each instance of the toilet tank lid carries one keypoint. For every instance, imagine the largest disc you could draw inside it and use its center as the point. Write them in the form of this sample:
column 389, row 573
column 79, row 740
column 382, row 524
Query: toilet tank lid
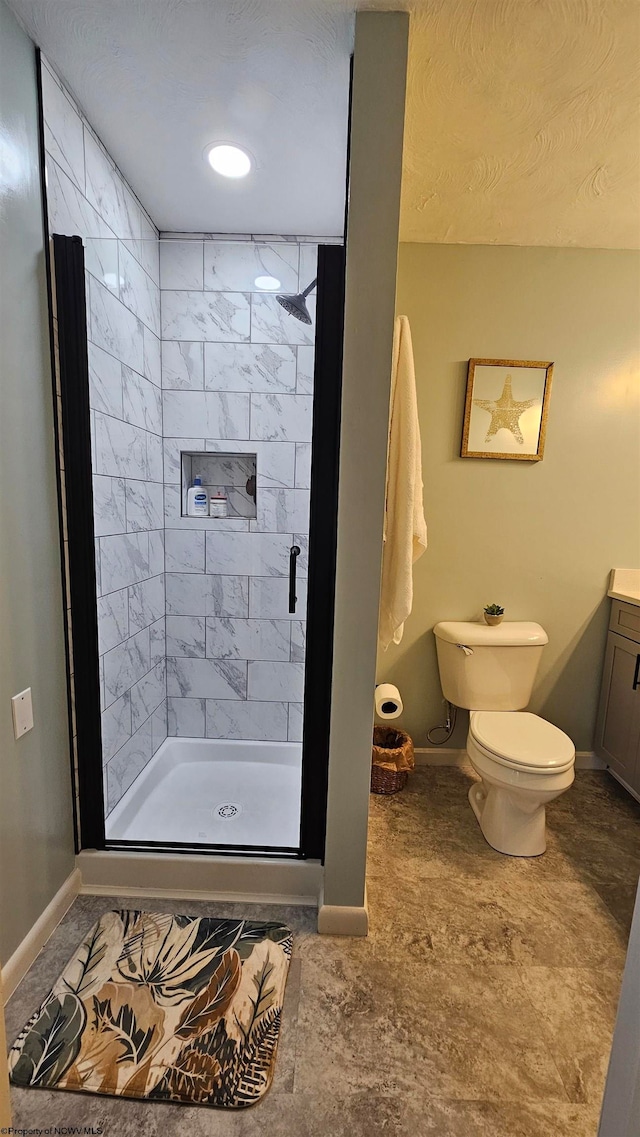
column 513, row 633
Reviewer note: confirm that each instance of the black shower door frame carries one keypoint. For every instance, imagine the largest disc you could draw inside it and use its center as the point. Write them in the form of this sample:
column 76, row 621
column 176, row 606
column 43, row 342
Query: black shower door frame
column 67, row 282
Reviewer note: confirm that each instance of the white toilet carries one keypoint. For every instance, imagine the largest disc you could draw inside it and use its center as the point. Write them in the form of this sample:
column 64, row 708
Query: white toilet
column 523, row 760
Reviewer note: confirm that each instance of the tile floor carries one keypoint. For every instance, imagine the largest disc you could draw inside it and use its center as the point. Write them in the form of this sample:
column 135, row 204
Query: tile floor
column 481, row 1004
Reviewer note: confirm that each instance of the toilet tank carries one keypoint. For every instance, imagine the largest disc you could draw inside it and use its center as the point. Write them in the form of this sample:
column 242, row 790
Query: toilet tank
column 489, row 669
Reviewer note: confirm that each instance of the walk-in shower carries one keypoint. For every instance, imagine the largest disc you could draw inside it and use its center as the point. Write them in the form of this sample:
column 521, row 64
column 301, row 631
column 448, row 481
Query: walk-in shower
column 201, row 621
column 190, row 360
column 237, row 387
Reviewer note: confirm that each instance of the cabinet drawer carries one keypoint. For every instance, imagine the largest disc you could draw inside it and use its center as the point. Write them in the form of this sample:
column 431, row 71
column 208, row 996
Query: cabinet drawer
column 625, row 620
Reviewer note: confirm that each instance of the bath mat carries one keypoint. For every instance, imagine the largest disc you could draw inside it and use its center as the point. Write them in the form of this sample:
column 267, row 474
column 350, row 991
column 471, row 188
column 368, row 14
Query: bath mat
column 164, row 1008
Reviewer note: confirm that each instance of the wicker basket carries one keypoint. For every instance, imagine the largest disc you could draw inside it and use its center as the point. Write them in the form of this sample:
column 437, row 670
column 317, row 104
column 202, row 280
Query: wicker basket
column 392, row 758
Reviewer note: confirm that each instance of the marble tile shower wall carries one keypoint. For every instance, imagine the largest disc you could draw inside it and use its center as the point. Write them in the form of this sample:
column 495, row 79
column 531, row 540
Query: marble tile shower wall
column 237, row 378
column 87, row 195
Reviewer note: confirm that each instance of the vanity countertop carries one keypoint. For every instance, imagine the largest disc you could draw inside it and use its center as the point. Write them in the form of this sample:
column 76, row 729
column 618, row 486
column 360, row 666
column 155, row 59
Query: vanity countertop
column 624, row 584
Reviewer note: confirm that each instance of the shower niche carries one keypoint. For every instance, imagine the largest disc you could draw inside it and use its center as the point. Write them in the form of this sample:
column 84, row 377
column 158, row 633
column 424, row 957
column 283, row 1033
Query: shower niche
column 232, row 474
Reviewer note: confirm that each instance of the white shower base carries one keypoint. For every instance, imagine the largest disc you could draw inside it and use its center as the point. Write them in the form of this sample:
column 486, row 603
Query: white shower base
column 208, row 791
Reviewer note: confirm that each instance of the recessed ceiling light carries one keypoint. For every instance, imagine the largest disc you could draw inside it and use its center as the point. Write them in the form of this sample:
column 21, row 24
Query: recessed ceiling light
column 230, row 161
column 267, row 283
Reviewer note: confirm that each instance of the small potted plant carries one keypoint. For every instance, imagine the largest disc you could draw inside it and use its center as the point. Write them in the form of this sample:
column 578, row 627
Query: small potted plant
column 493, row 614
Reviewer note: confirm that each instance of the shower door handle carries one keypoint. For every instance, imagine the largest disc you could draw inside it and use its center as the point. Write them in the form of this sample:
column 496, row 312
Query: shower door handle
column 294, row 553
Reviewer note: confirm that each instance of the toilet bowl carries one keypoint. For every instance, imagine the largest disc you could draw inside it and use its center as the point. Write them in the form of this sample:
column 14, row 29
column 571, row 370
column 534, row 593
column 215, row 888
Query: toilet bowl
column 524, row 762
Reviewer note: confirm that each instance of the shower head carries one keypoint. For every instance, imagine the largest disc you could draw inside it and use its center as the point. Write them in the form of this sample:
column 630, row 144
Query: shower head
column 296, row 305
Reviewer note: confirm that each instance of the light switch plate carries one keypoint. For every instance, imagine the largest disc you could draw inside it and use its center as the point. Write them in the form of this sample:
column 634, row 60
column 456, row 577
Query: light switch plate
column 22, row 710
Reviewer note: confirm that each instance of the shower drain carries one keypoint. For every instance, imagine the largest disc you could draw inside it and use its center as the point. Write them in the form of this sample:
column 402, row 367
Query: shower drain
column 228, row 809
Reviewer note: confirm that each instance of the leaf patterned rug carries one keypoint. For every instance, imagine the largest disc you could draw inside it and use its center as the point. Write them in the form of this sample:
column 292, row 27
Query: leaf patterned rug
column 164, row 1008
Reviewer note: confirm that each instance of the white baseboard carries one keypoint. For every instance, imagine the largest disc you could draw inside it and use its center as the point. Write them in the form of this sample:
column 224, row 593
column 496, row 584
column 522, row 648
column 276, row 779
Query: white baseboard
column 342, row 920
column 587, row 760
column 191, row 877
column 26, row 953
column 186, row 894
column 440, row 756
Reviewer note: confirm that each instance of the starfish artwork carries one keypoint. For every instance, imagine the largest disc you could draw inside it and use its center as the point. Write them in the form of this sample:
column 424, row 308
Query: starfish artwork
column 505, row 412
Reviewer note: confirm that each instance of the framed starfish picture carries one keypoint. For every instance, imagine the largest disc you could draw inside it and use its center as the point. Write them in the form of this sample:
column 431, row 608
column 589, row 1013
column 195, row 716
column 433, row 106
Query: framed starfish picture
column 505, row 414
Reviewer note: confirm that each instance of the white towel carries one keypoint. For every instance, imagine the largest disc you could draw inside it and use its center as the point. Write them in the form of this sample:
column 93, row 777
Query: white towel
column 405, row 530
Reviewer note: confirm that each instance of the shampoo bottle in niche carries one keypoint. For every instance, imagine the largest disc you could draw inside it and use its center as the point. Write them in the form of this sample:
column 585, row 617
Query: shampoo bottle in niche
column 197, row 504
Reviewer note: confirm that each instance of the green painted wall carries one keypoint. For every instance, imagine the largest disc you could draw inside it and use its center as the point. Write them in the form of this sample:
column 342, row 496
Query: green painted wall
column 36, row 838
column 538, row 537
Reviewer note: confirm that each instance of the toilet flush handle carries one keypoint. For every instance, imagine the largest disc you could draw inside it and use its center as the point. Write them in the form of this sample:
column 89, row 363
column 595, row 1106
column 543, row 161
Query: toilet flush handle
column 465, row 649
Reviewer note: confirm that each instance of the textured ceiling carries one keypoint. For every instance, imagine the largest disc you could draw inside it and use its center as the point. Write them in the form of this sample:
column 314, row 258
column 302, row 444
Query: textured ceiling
column 522, row 125
column 159, row 80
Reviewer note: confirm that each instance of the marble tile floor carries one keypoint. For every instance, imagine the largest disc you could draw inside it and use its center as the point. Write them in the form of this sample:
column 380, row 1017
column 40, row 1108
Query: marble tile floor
column 481, row 1004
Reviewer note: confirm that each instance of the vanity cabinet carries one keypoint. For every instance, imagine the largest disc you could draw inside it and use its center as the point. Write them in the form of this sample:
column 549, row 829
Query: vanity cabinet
column 617, row 739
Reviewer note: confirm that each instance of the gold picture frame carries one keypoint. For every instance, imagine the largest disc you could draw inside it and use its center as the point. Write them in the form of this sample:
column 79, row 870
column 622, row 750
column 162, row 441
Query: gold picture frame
column 517, row 406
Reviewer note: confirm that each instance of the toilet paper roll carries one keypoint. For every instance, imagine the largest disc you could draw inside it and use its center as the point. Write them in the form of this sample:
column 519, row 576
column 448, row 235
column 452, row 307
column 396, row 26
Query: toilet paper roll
column 388, row 702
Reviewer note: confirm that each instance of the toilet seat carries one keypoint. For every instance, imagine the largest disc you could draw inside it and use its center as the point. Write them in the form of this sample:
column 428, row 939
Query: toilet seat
column 522, row 741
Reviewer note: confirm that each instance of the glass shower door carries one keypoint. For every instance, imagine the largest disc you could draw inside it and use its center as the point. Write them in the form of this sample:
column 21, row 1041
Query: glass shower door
column 192, row 632
column 237, row 399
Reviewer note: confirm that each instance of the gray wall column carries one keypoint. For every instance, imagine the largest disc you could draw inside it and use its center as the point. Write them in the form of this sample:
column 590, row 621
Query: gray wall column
column 379, row 82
